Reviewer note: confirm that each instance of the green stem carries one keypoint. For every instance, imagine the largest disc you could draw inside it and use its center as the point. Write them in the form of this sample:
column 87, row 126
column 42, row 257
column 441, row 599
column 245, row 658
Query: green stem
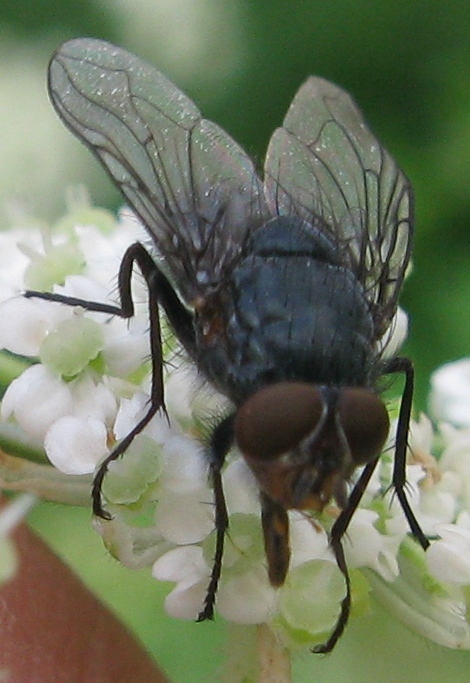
column 43, row 481
column 274, row 663
column 11, row 367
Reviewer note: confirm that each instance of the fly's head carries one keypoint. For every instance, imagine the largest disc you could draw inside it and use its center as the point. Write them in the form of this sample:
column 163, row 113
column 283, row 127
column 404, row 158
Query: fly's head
column 303, row 441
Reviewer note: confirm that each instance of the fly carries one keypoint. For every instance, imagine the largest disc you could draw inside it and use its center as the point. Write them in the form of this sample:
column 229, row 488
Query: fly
column 282, row 290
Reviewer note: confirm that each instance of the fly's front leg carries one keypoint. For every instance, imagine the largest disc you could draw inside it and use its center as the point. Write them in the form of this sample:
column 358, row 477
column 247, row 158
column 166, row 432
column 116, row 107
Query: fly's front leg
column 160, row 293
column 405, row 366
column 337, row 532
column 221, row 441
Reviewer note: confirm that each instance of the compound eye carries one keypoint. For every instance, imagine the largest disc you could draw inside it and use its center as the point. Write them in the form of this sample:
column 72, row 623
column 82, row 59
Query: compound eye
column 276, row 418
column 365, row 423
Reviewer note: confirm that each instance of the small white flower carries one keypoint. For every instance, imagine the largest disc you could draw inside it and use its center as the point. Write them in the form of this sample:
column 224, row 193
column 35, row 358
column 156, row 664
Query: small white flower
column 90, row 388
column 93, row 399
column 26, row 323
column 448, row 558
column 89, row 362
column 131, row 411
column 13, row 261
column 186, row 567
column 421, row 434
column 241, row 490
column 308, row 542
column 36, row 400
column 449, row 399
column 74, row 445
column 396, row 334
column 309, row 601
column 366, row 547
column 247, row 598
column 185, row 469
column 185, row 518
column 126, row 346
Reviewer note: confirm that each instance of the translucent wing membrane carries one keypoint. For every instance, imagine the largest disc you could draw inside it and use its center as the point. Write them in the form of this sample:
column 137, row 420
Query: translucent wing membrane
column 193, row 187
column 197, row 191
column 325, row 162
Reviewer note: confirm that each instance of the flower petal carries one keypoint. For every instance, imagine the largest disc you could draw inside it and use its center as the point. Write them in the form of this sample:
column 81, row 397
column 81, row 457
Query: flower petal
column 185, row 518
column 76, row 445
column 449, row 398
column 25, row 323
column 37, row 399
column 448, row 558
column 247, row 599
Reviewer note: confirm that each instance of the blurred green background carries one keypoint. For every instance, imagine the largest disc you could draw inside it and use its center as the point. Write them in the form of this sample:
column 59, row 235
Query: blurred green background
column 408, row 65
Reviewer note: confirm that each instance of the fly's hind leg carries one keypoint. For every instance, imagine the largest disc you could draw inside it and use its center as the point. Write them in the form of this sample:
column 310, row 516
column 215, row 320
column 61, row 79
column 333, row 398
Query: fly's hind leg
column 160, row 293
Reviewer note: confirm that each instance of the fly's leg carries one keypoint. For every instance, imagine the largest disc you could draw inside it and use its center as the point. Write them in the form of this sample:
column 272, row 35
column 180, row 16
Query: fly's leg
column 220, row 443
column 160, row 293
column 337, row 532
column 405, row 366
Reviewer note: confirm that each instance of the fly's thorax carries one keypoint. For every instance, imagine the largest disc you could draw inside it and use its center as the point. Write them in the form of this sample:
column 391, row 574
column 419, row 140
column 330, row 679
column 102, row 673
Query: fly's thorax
column 297, row 314
column 287, row 312
column 303, row 441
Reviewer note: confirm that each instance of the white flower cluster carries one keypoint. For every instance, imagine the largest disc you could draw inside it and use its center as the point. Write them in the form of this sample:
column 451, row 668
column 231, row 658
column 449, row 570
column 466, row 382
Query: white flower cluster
column 90, row 387
column 72, row 398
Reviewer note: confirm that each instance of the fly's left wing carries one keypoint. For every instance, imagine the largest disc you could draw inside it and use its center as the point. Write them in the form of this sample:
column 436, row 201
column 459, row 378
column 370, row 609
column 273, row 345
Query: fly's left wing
column 324, row 162
column 194, row 188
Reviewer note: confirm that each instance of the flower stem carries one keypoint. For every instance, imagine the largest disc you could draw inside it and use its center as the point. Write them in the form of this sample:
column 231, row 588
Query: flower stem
column 273, row 658
column 11, row 367
column 17, row 474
